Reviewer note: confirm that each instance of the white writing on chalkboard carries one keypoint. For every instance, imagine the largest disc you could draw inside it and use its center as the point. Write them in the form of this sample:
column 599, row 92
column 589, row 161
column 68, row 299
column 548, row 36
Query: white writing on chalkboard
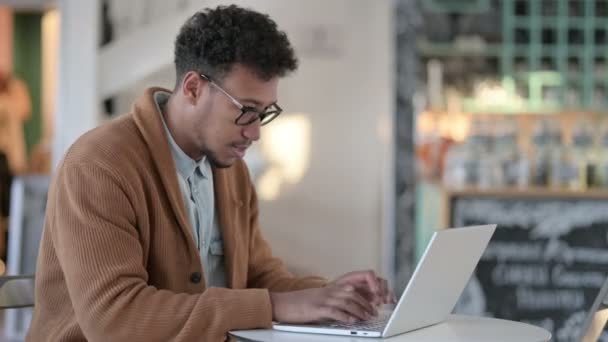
column 560, row 250
column 576, row 279
column 513, row 251
column 552, row 250
column 504, row 274
column 510, row 274
column 543, row 299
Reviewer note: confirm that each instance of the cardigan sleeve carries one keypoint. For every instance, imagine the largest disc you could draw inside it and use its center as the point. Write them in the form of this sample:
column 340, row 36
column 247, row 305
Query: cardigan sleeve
column 267, row 271
column 98, row 247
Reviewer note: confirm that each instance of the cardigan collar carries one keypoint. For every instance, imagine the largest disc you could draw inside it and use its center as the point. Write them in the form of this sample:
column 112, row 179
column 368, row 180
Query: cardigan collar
column 149, row 122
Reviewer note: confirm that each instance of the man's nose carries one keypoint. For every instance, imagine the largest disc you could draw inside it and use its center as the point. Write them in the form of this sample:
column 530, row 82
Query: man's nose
column 252, row 131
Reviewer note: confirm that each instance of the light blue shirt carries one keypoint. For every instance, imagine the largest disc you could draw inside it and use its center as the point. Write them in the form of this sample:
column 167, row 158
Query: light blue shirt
column 196, row 185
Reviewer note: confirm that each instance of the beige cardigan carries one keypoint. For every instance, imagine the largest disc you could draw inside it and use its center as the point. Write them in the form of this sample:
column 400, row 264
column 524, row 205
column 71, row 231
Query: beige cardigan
column 117, row 259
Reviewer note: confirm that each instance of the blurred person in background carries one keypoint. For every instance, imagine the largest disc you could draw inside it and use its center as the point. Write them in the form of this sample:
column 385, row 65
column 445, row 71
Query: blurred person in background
column 151, row 229
column 15, row 109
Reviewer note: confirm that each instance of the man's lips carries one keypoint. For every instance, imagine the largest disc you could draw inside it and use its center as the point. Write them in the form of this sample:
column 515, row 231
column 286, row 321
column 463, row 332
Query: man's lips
column 240, row 150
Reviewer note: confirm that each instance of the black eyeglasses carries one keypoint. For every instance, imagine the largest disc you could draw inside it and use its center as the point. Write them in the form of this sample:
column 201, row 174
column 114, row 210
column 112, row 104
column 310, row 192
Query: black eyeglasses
column 248, row 114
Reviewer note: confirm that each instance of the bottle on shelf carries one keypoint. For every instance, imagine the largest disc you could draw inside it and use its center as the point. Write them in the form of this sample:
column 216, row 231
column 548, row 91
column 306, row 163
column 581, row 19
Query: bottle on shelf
column 541, row 156
column 507, row 152
column 583, row 156
column 473, row 148
column 562, row 168
column 489, row 174
column 456, row 167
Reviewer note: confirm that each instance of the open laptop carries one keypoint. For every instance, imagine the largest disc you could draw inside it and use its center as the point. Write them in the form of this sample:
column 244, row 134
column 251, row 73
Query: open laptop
column 596, row 319
column 432, row 292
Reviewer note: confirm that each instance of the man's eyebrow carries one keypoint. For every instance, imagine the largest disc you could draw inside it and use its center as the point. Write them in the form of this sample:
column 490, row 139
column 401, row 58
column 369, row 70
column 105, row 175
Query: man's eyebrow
column 256, row 102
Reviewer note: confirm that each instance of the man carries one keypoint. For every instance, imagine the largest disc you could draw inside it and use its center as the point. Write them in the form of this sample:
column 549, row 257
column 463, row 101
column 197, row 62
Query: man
column 15, row 110
column 151, row 228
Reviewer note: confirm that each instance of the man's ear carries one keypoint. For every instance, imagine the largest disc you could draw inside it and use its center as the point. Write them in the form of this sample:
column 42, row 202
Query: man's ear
column 192, row 86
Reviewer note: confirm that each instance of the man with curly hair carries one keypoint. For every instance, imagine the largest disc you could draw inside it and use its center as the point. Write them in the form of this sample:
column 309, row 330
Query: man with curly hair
column 151, row 229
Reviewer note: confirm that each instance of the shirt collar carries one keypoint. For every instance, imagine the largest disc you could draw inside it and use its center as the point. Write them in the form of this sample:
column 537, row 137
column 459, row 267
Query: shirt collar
column 185, row 165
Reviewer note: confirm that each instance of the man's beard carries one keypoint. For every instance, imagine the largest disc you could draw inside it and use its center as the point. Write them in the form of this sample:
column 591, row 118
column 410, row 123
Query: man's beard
column 214, row 162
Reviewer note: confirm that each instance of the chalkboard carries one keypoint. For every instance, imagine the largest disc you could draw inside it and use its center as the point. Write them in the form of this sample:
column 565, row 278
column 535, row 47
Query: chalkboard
column 545, row 263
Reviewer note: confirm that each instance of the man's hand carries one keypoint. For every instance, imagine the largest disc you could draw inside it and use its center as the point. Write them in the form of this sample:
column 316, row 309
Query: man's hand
column 374, row 288
column 332, row 302
column 352, row 297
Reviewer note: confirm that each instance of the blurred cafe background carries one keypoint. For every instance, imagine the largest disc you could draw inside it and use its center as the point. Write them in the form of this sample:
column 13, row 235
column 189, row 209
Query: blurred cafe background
column 405, row 117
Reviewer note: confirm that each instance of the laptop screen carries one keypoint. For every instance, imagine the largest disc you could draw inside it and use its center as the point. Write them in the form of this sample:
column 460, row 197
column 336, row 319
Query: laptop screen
column 594, row 327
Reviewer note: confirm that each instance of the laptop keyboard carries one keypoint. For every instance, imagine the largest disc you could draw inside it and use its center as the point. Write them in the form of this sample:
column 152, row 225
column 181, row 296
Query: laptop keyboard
column 376, row 324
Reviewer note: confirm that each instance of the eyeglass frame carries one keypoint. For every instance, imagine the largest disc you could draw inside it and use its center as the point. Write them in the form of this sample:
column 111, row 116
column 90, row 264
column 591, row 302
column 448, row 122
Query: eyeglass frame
column 244, row 109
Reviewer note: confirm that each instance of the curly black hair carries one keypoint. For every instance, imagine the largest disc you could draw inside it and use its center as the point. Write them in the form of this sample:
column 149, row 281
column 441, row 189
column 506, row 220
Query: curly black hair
column 213, row 40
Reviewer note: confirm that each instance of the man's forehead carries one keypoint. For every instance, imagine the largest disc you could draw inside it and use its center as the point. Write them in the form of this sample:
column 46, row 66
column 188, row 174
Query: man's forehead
column 249, row 87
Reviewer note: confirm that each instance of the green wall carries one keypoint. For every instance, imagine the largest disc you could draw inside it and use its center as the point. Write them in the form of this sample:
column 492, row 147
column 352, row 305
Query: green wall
column 27, row 65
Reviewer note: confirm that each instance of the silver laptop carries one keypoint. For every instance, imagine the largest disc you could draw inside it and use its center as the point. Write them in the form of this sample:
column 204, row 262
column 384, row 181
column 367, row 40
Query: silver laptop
column 439, row 279
column 595, row 322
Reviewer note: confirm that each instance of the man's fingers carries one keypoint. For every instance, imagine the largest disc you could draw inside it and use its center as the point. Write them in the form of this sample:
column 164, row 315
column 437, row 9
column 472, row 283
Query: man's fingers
column 390, row 298
column 384, row 291
column 336, row 314
column 386, row 295
column 373, row 288
column 377, row 298
column 365, row 293
column 368, row 296
column 347, row 299
column 350, row 307
column 351, row 294
column 368, row 277
column 372, row 281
